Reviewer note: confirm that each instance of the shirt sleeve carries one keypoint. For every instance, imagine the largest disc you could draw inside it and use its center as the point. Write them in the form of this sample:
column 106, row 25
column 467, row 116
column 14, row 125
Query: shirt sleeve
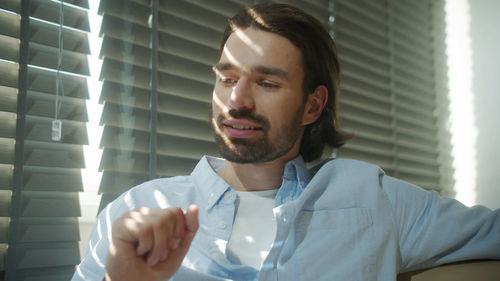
column 435, row 230
column 92, row 266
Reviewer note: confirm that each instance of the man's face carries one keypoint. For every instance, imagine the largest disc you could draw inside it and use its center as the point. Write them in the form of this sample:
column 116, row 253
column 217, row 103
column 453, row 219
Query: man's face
column 257, row 103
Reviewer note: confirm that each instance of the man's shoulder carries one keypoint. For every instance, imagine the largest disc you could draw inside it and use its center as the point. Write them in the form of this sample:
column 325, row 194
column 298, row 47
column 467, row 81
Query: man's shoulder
column 345, row 165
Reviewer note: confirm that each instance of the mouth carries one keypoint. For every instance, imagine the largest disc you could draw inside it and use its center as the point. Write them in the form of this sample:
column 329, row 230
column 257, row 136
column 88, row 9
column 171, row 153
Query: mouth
column 241, row 128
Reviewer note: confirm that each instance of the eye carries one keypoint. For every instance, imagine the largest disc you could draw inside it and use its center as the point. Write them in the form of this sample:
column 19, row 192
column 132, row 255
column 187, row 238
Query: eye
column 268, row 84
column 227, row 81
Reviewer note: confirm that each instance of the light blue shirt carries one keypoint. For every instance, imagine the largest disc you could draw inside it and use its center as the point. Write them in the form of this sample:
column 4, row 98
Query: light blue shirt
column 348, row 222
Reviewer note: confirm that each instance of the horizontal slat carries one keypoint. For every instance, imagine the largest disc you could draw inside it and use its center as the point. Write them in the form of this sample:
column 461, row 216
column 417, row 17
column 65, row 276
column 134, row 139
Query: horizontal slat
column 368, row 106
column 122, row 116
column 125, row 30
column 47, row 33
column 184, row 148
column 132, row 162
column 349, row 73
column 53, row 154
column 138, row 163
column 364, row 19
column 47, row 255
column 192, row 13
column 8, row 122
column 5, row 196
column 117, row 93
column 43, row 105
column 138, row 141
column 59, row 273
column 11, row 5
column 45, row 56
column 368, row 118
column 43, row 80
column 365, row 154
column 120, row 94
column 52, row 179
column 125, row 139
column 74, row 16
column 126, row 10
column 10, row 23
column 49, row 204
column 407, row 97
column 175, row 166
column 223, row 7
column 8, row 73
column 182, row 107
column 6, row 175
column 40, row 129
column 3, row 254
column 365, row 56
column 36, row 230
column 107, row 198
column 4, row 230
column 7, row 151
column 417, row 18
column 361, row 68
column 8, row 99
column 118, row 182
column 9, row 48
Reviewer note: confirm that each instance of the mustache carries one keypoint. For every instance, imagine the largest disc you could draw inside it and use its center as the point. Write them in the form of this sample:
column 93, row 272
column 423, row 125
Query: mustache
column 245, row 114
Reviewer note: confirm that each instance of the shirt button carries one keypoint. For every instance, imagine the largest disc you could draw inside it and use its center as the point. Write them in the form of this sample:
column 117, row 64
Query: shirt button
column 222, row 224
column 217, row 256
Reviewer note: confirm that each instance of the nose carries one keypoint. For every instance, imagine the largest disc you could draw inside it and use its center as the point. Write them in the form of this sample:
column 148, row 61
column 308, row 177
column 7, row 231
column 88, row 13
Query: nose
column 241, row 96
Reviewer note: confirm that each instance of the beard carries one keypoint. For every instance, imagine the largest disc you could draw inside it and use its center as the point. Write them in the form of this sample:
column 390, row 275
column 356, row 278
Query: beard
column 263, row 148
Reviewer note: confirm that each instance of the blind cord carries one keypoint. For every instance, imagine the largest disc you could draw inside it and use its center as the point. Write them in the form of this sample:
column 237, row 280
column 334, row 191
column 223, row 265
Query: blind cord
column 56, row 123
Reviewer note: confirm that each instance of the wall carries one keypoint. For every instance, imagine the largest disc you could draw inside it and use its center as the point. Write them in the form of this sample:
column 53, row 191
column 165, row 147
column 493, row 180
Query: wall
column 485, row 39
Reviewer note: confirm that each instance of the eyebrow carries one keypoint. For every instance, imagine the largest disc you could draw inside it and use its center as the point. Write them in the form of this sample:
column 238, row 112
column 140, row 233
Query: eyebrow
column 257, row 69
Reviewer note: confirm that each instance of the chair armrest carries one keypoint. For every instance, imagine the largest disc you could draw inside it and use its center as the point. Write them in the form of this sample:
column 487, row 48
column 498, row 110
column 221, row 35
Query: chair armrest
column 486, row 270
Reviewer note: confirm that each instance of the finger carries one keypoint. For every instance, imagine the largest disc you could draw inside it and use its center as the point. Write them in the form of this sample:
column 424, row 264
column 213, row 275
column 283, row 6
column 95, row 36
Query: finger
column 191, row 226
column 179, row 229
column 145, row 240
column 191, row 221
column 164, row 229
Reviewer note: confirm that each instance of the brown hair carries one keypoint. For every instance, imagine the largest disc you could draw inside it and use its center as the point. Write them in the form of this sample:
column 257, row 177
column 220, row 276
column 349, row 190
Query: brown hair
column 319, row 62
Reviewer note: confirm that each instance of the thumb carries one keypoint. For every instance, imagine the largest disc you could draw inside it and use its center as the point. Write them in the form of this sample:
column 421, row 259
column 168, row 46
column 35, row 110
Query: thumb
column 191, row 220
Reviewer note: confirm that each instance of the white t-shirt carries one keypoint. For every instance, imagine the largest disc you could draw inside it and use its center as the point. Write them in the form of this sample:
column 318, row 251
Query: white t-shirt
column 254, row 227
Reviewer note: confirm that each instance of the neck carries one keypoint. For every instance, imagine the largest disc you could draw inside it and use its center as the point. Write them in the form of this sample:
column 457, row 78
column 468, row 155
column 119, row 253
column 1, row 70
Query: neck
column 254, row 176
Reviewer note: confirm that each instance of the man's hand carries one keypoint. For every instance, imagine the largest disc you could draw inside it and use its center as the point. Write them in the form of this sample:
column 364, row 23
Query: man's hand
column 150, row 244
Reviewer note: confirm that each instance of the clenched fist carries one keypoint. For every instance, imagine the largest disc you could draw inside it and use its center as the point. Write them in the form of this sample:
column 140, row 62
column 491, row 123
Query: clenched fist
column 150, row 244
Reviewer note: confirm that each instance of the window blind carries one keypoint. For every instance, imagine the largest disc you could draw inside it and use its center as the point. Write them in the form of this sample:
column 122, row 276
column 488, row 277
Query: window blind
column 40, row 178
column 393, row 95
column 189, row 35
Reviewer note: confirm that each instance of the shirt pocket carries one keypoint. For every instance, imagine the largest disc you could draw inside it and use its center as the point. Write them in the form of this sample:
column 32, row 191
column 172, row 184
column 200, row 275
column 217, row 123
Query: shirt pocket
column 335, row 245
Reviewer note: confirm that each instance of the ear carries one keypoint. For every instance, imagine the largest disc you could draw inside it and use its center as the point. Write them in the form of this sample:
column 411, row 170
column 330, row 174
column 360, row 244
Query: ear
column 315, row 103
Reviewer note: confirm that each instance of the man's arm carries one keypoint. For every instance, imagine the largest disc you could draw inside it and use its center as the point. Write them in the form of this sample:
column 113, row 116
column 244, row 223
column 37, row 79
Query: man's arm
column 121, row 229
column 435, row 230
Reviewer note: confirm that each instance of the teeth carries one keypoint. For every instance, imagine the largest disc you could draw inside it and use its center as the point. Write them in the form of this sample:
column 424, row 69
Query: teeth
column 243, row 127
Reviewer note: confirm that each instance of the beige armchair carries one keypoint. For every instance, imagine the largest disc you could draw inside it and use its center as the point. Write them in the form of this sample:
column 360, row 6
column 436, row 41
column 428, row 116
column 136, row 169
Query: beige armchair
column 462, row 271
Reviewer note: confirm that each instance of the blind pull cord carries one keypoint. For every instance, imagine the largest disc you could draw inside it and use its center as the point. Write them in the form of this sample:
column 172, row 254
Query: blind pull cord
column 56, row 123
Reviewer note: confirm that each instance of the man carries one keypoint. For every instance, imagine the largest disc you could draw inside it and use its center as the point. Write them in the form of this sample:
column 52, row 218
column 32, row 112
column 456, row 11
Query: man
column 259, row 214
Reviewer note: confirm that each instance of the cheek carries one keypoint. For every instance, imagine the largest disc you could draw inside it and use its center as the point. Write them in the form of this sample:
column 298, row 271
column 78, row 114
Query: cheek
column 217, row 102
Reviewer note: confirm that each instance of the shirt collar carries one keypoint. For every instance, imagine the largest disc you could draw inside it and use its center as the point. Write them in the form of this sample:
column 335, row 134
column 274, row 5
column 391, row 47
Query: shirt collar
column 206, row 179
column 296, row 170
column 213, row 187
